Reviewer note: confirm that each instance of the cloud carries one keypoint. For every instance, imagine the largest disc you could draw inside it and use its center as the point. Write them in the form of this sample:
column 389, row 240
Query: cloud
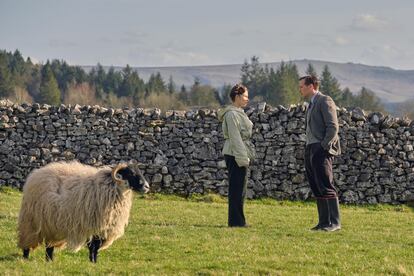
column 172, row 56
column 368, row 22
column 167, row 56
column 104, row 39
column 273, row 56
column 341, row 41
column 133, row 37
column 238, row 32
column 182, row 56
column 244, row 32
column 175, row 45
column 61, row 43
column 384, row 54
column 319, row 40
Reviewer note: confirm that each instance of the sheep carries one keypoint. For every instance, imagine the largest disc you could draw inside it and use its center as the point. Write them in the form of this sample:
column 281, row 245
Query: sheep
column 71, row 204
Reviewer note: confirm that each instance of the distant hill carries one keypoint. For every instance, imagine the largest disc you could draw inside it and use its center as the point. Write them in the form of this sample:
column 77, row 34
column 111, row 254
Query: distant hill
column 389, row 84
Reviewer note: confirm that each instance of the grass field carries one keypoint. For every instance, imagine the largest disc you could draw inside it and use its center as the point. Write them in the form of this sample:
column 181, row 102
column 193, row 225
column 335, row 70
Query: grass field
column 172, row 235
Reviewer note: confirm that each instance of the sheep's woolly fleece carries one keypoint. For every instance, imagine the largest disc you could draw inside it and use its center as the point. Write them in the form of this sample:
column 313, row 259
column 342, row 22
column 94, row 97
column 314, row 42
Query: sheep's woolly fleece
column 65, row 204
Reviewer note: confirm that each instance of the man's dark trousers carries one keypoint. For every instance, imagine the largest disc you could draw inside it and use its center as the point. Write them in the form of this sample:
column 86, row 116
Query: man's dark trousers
column 237, row 190
column 318, row 165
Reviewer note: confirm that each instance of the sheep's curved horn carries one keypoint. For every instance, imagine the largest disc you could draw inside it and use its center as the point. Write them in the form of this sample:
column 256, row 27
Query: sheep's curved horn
column 115, row 171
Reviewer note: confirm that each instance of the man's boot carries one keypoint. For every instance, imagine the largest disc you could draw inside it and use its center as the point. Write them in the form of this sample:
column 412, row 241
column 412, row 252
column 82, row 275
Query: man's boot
column 333, row 207
column 323, row 214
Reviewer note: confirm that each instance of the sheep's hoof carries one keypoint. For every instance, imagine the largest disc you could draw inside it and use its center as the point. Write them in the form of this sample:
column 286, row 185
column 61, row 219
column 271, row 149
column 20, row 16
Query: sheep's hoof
column 26, row 253
column 49, row 254
column 94, row 246
column 93, row 257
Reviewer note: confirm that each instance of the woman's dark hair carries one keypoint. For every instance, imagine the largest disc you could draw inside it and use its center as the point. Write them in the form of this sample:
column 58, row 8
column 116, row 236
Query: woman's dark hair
column 310, row 79
column 238, row 89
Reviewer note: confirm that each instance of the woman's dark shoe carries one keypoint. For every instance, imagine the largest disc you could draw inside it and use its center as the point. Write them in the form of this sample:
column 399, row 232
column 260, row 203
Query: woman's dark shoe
column 245, row 225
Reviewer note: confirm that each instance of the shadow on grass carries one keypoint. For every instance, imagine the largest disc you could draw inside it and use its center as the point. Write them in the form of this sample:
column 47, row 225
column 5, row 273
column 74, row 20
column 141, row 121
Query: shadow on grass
column 167, row 224
column 11, row 257
column 208, row 226
column 410, row 205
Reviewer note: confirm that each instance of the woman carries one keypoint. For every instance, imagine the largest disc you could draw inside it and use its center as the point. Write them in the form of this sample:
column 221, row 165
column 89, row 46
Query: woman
column 237, row 150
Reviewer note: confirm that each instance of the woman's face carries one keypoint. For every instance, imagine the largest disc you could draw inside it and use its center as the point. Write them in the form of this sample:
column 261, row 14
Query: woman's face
column 242, row 100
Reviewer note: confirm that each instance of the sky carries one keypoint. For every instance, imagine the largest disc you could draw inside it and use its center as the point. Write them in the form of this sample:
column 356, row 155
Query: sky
column 193, row 32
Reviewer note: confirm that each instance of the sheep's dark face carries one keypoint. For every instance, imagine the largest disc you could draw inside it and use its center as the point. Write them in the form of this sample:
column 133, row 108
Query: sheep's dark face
column 135, row 180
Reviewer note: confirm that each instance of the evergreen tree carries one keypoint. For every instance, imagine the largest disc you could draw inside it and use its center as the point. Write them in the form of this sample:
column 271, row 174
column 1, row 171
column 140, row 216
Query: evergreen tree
column 290, row 82
column 49, row 90
column 132, row 85
column 311, row 70
column 171, row 85
column 273, row 87
column 80, row 75
column 113, row 81
column 203, row 95
column 253, row 76
column 91, row 76
column 155, row 84
column 245, row 73
column 225, row 94
column 33, row 84
column 196, row 81
column 366, row 99
column 183, row 88
column 99, row 77
column 283, row 85
column 64, row 74
column 183, row 95
column 18, row 68
column 6, row 84
column 347, row 99
column 217, row 96
column 330, row 85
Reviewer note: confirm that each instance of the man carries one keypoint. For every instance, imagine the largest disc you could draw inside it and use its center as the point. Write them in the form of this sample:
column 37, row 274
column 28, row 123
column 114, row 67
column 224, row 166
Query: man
column 322, row 144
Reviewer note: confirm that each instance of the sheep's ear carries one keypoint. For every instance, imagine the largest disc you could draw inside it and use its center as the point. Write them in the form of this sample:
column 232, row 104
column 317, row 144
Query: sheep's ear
column 115, row 171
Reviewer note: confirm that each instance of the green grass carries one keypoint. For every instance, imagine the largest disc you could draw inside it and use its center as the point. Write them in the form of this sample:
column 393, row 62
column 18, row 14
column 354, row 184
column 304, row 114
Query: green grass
column 172, row 235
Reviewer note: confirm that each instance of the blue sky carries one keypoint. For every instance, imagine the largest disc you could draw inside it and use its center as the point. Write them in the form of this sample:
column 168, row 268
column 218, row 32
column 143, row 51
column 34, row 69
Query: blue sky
column 192, row 32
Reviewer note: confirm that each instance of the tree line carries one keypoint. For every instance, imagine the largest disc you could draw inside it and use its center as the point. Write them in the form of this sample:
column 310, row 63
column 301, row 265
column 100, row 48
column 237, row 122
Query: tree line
column 57, row 82
column 280, row 86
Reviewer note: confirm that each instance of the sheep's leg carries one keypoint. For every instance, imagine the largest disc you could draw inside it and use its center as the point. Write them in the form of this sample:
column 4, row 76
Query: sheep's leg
column 49, row 253
column 26, row 253
column 94, row 246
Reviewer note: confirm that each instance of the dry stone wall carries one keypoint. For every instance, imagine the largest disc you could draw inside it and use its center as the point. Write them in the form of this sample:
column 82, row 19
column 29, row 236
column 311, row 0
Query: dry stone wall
column 180, row 151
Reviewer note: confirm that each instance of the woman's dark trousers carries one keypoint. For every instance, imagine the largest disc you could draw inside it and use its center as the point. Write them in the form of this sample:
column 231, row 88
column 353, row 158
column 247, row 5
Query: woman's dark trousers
column 237, row 191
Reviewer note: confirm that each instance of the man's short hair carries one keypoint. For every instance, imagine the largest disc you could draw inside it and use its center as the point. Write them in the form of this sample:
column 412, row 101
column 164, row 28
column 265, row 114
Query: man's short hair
column 309, row 79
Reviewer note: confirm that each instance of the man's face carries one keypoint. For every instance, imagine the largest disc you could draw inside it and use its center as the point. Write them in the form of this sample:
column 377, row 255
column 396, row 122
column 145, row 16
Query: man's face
column 305, row 90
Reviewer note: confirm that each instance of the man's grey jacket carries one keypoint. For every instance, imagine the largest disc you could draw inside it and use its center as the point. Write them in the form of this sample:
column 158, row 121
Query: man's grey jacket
column 323, row 123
